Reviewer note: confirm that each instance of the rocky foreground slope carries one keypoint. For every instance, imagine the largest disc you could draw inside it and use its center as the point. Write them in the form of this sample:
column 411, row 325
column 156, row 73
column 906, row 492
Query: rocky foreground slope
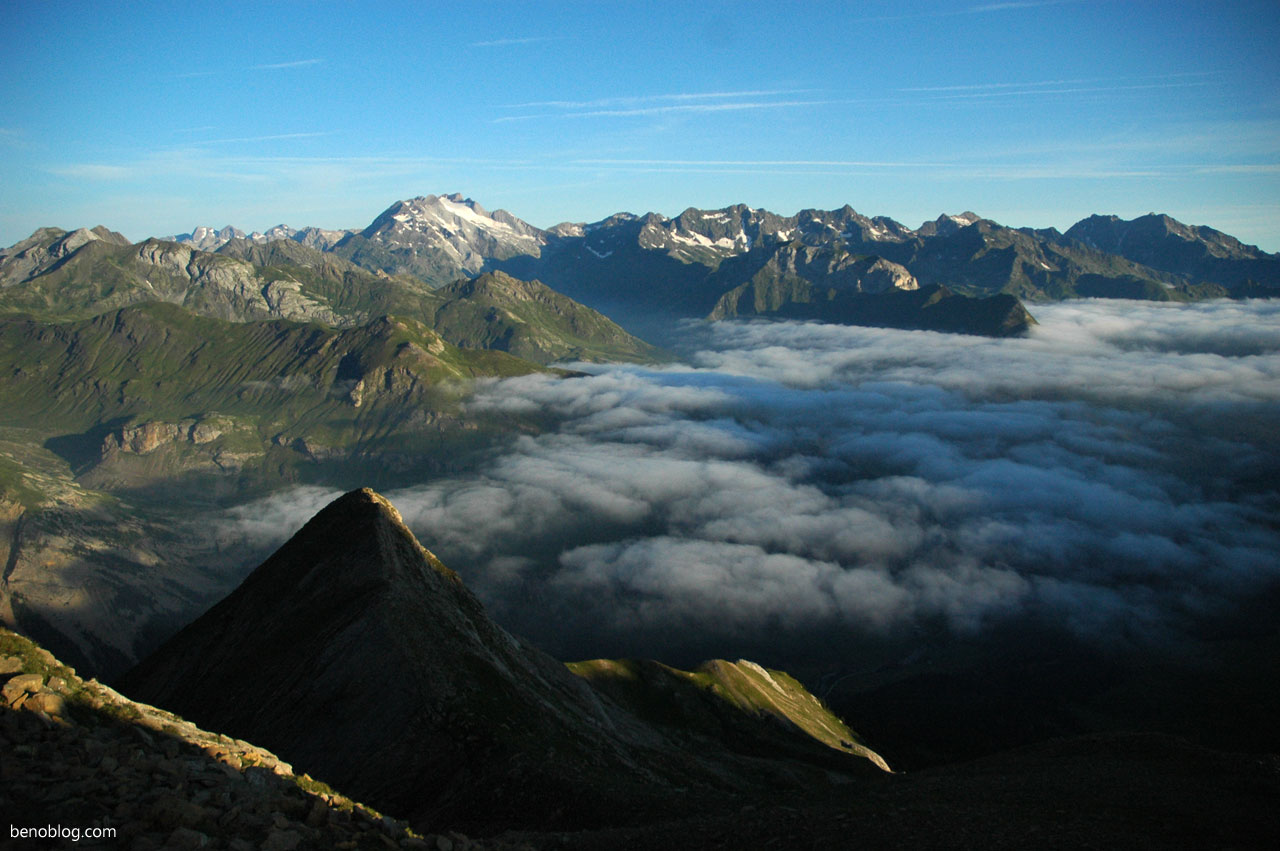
column 109, row 772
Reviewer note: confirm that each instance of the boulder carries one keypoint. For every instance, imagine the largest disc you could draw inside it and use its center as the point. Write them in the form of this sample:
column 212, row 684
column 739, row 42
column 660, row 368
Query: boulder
column 19, row 686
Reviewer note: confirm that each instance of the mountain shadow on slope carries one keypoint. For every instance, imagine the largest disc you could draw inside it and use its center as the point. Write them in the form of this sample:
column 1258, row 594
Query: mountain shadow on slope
column 929, row 308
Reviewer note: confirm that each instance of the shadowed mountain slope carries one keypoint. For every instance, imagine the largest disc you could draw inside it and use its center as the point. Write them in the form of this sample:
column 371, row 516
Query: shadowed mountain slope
column 76, row 753
column 117, row 432
column 532, row 321
column 1194, row 253
column 929, row 308
column 79, row 755
column 354, row 653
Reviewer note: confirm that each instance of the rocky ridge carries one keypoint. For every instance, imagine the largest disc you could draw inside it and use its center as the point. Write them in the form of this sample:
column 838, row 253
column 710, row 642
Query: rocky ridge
column 1192, row 252
column 84, row 273
column 79, row 755
column 45, row 248
column 439, row 238
column 211, row 239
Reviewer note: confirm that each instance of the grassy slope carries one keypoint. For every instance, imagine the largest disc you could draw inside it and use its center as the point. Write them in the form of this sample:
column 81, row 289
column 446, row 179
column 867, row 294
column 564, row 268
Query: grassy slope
column 272, row 401
column 735, row 700
column 495, row 311
column 160, row 361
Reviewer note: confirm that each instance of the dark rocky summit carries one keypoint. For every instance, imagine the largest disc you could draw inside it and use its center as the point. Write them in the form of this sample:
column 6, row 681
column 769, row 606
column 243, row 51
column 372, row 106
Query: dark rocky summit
column 354, row 653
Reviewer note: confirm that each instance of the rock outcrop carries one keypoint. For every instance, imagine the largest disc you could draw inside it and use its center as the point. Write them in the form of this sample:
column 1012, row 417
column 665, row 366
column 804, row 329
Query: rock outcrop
column 146, row 437
column 109, row 772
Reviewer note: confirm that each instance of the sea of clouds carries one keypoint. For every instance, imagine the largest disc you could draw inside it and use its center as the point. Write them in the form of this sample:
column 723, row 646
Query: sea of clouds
column 1114, row 474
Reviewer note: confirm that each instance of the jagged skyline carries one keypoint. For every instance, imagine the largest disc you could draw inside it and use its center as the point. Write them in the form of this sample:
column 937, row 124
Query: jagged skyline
column 1032, row 114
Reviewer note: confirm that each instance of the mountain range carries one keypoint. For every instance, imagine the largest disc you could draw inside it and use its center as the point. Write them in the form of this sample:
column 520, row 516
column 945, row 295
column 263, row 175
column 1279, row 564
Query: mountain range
column 643, row 272
column 628, row 266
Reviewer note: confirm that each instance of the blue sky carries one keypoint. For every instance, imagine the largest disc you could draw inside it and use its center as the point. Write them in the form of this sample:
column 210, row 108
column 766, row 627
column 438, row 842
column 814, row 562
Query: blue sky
column 1030, row 113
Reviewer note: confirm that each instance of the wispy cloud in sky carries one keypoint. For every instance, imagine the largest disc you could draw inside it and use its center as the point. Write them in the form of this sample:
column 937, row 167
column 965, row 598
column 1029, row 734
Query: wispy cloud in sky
column 980, row 9
column 968, row 169
column 94, row 171
column 1267, row 168
column 991, row 86
column 665, row 104
column 1079, row 84
column 267, row 66
column 1028, row 91
column 697, row 107
column 643, row 99
column 756, row 163
column 762, row 99
column 199, row 158
column 1246, row 141
column 277, row 66
column 1010, row 6
column 267, row 138
column 200, row 163
column 511, row 42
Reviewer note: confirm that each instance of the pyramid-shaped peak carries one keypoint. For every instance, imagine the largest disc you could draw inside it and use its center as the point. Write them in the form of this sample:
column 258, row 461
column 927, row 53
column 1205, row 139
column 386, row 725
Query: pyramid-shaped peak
column 361, row 536
column 353, row 640
column 360, row 659
column 358, row 509
column 362, row 501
